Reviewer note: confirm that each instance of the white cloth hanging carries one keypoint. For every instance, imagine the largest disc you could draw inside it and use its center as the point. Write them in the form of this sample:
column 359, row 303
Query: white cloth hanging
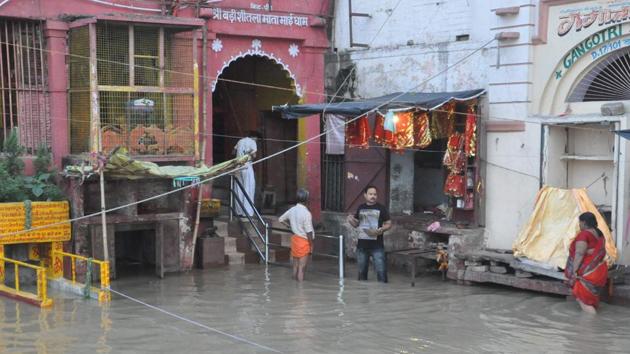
column 246, row 176
column 335, row 134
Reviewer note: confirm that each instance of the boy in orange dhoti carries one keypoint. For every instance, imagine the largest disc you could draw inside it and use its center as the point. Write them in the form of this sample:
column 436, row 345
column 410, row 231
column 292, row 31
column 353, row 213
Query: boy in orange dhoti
column 299, row 219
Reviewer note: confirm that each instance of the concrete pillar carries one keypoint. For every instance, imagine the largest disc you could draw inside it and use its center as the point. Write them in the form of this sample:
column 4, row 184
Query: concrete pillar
column 309, row 155
column 401, row 190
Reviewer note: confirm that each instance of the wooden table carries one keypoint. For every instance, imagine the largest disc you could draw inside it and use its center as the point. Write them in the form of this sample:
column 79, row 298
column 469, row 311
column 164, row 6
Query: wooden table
column 411, row 257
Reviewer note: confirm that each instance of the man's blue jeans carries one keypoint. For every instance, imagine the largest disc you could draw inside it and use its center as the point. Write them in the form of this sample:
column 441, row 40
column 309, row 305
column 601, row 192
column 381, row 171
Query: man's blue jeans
column 379, row 259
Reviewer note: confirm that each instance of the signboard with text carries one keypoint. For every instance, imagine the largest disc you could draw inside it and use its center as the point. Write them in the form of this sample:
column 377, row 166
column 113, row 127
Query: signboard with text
column 594, row 47
column 578, row 18
column 242, row 16
column 14, row 222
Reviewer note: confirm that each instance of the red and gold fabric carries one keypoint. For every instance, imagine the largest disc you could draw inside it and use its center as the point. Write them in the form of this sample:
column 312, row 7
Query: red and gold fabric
column 358, row 132
column 404, row 136
column 470, row 134
column 379, row 129
column 421, row 130
column 454, row 158
column 455, row 185
column 443, row 121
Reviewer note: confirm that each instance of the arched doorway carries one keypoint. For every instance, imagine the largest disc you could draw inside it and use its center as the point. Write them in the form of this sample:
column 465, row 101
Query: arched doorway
column 239, row 107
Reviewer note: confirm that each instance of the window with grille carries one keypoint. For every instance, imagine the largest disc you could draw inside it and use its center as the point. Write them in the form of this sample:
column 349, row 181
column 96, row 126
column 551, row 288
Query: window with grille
column 145, row 89
column 608, row 80
column 333, row 182
column 24, row 99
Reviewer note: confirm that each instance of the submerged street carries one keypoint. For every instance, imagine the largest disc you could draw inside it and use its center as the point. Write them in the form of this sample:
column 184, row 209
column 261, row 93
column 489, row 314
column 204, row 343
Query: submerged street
column 261, row 309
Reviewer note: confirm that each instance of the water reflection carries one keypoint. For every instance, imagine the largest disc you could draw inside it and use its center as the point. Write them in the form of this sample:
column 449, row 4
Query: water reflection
column 265, row 306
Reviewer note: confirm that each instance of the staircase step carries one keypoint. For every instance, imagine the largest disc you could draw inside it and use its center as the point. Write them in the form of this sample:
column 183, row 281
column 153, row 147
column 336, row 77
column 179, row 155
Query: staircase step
column 279, row 255
column 222, row 228
column 236, row 258
column 242, row 244
column 234, row 229
column 251, row 258
column 230, row 245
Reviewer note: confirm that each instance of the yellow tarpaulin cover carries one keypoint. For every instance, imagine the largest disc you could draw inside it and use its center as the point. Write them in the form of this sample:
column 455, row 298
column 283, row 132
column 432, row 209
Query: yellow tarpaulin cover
column 554, row 224
column 120, row 164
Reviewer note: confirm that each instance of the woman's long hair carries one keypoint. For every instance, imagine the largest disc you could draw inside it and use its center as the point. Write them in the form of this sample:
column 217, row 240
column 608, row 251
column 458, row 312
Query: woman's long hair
column 590, row 220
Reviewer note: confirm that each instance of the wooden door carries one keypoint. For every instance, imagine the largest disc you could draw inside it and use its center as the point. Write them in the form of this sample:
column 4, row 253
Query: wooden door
column 364, row 167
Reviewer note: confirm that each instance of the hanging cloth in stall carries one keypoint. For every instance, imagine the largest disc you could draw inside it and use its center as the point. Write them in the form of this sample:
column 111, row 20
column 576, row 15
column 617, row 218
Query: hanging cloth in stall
column 455, row 162
column 404, row 130
column 443, row 121
column 421, row 131
column 470, row 134
column 454, row 157
column 455, row 185
column 379, row 129
column 358, row 132
column 335, row 134
column 382, row 136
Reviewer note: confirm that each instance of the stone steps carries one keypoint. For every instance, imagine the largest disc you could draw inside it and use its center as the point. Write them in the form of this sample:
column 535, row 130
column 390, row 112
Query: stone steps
column 240, row 250
column 235, row 258
column 236, row 246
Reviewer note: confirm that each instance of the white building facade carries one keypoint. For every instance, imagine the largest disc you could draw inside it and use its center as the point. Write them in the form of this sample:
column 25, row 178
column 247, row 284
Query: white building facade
column 544, row 64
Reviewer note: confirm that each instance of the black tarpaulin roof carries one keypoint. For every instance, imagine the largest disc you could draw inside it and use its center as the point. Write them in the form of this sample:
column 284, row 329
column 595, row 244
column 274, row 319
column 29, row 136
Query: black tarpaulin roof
column 397, row 101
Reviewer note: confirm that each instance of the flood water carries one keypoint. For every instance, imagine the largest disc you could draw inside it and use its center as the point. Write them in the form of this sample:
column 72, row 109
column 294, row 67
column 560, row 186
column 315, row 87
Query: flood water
column 258, row 310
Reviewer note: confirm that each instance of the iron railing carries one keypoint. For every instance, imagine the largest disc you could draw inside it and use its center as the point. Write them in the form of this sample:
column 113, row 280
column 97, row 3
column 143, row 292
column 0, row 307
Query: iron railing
column 262, row 236
column 24, row 96
column 340, row 255
column 103, row 292
column 235, row 185
column 41, row 295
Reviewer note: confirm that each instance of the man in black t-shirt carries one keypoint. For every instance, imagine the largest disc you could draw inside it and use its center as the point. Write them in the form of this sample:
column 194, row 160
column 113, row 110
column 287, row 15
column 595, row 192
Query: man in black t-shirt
column 372, row 219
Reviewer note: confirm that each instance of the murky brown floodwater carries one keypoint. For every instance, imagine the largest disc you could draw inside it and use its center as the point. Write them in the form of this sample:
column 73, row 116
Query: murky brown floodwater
column 316, row 316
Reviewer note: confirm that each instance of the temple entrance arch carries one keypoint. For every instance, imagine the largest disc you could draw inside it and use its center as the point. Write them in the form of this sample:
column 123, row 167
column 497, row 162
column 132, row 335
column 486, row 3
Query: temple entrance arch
column 246, row 89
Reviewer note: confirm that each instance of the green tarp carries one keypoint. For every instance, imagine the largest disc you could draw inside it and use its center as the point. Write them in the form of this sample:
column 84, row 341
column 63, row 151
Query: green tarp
column 121, row 165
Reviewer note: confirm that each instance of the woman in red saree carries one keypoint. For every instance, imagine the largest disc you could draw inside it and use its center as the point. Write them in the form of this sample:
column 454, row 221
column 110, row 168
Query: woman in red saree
column 587, row 270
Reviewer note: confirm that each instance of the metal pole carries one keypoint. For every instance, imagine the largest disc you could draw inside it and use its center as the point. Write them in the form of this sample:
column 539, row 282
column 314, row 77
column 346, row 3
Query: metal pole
column 341, row 258
column 231, row 211
column 8, row 61
column 27, row 134
column 42, row 93
column 266, row 243
column 195, row 95
column 103, row 214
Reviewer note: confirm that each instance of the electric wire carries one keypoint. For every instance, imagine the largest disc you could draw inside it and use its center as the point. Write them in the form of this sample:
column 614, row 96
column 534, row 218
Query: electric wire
column 194, row 323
